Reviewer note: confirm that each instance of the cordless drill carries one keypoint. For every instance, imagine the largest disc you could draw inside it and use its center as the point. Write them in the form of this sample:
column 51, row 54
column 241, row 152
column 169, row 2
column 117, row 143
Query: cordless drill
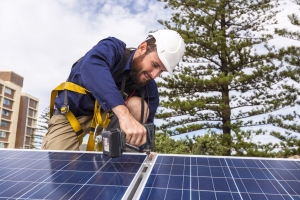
column 114, row 141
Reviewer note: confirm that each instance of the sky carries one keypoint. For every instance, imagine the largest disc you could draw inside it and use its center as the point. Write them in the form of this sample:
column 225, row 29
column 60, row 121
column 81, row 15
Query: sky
column 41, row 39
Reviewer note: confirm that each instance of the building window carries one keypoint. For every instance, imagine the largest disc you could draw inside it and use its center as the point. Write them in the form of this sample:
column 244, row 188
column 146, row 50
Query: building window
column 31, row 113
column 2, row 145
column 4, row 123
column 29, row 122
column 30, row 131
column 5, row 112
column 33, row 103
column 6, row 102
column 8, row 91
column 2, row 134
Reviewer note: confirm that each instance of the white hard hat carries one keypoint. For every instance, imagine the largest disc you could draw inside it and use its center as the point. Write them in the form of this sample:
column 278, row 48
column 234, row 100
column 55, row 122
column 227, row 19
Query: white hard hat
column 170, row 48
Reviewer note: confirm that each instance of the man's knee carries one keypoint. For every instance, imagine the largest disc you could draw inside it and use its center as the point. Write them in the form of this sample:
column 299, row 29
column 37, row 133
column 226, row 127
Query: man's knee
column 134, row 105
column 61, row 136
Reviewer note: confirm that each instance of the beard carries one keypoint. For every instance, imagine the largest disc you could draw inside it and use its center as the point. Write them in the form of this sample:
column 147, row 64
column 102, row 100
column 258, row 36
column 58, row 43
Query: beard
column 137, row 71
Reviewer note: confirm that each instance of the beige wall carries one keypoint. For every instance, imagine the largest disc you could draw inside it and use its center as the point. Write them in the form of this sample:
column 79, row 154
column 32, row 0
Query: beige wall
column 27, row 120
column 20, row 112
column 14, row 112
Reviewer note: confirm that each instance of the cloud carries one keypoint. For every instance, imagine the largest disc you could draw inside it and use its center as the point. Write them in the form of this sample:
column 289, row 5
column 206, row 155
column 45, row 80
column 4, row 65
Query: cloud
column 40, row 40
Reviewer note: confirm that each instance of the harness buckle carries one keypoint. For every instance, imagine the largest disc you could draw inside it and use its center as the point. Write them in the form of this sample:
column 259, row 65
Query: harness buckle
column 97, row 139
column 125, row 96
column 98, row 143
column 64, row 109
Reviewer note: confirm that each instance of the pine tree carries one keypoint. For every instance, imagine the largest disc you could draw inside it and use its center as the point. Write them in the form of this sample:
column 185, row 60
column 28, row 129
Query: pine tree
column 227, row 81
column 41, row 129
column 290, row 57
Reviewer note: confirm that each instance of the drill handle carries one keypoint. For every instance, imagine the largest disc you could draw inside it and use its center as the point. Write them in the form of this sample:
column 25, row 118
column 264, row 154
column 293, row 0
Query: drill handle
column 150, row 135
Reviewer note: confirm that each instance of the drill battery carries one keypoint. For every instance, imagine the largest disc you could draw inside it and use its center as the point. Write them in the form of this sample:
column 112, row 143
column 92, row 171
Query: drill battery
column 114, row 141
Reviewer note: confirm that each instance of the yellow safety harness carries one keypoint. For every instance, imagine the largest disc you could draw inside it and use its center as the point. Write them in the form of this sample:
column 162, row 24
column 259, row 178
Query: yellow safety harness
column 97, row 121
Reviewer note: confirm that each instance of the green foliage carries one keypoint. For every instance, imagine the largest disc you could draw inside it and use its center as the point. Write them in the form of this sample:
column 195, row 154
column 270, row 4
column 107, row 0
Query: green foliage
column 223, row 83
column 294, row 19
column 290, row 57
column 209, row 144
column 41, row 129
column 212, row 144
column 242, row 145
column 288, row 34
column 165, row 144
column 290, row 144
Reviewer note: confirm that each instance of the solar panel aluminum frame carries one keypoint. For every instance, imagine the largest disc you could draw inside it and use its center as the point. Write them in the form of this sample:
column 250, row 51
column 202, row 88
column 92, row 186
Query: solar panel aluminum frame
column 138, row 183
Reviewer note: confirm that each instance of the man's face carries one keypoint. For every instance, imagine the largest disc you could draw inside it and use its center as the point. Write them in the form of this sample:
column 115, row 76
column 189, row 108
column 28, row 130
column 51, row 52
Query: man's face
column 146, row 67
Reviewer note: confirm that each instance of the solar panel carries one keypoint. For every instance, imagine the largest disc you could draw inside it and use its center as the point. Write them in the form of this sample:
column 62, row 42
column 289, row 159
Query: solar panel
column 31, row 174
column 198, row 177
column 65, row 175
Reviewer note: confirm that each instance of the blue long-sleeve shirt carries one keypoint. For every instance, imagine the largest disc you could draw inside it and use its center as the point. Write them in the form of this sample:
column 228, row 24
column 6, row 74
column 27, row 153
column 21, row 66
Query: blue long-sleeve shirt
column 95, row 73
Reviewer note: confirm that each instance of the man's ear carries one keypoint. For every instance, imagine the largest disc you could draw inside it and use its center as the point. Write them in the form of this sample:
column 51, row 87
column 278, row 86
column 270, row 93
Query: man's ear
column 142, row 48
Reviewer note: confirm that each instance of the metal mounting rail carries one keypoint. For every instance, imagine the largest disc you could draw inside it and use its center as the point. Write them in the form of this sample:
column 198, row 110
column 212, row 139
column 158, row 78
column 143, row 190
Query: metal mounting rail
column 138, row 183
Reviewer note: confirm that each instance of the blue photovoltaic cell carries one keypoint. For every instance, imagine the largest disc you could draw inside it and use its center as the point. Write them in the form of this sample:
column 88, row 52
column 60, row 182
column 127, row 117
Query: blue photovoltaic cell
column 65, row 175
column 77, row 175
column 189, row 177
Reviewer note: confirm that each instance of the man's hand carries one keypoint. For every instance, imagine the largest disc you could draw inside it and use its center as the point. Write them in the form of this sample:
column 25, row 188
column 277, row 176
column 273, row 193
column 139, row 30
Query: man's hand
column 135, row 132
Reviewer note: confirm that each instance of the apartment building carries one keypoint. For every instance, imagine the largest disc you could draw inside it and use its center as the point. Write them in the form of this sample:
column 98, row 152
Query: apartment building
column 18, row 112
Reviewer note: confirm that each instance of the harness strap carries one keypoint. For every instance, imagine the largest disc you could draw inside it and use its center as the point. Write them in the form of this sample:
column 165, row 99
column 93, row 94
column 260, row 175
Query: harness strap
column 74, row 123
column 124, row 95
column 142, row 105
column 69, row 86
column 127, row 53
column 97, row 120
column 65, row 86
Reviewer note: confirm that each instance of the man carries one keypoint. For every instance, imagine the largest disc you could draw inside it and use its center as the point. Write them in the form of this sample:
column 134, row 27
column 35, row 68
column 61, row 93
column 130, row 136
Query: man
column 96, row 73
